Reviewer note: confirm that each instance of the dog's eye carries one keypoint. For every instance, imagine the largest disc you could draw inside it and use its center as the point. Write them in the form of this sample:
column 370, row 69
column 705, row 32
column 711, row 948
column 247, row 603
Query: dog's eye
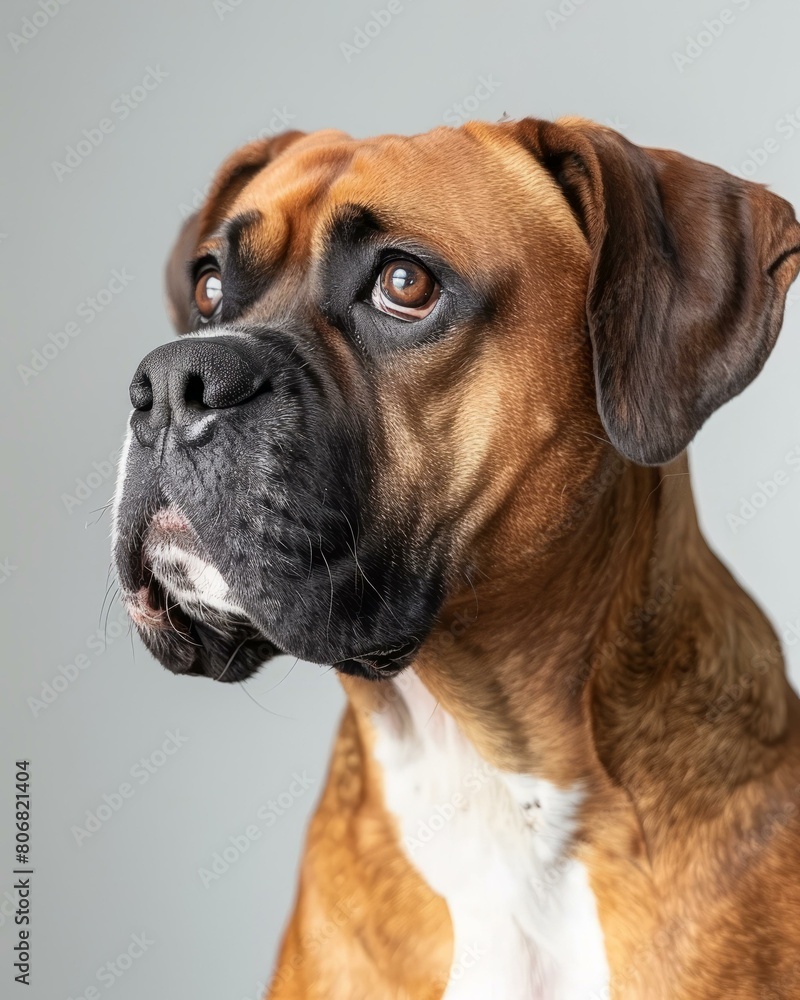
column 405, row 289
column 208, row 293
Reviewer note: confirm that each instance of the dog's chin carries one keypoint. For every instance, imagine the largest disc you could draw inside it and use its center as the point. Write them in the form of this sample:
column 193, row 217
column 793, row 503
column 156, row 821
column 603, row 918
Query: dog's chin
column 194, row 641
column 193, row 623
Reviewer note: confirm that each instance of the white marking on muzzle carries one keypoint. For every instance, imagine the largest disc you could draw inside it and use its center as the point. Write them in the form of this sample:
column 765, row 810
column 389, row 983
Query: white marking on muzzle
column 122, row 470
column 208, row 587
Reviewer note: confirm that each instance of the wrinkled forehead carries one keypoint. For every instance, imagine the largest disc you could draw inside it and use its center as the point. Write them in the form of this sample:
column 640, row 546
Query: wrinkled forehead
column 473, row 195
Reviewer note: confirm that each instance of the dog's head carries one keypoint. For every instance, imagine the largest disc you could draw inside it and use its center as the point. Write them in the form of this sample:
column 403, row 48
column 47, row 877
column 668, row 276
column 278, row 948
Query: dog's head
column 402, row 358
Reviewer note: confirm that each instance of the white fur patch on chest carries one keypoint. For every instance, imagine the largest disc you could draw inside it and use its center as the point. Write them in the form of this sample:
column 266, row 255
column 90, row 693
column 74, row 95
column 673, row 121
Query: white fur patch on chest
column 496, row 847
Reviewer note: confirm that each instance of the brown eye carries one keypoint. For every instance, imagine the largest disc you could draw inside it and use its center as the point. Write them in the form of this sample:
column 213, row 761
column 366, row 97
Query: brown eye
column 405, row 289
column 208, row 293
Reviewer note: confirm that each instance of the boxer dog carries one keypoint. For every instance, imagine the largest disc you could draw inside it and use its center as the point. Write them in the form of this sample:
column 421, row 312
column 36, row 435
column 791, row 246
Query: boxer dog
column 427, row 422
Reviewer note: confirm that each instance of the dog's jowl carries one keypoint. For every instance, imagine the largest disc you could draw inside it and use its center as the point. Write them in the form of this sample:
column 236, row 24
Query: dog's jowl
column 426, row 421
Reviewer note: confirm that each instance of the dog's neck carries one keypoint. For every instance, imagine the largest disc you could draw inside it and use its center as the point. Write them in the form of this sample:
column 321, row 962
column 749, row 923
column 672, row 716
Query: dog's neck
column 618, row 654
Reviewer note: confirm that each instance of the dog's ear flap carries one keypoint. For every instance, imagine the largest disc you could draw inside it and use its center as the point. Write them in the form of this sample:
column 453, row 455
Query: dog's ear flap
column 690, row 270
column 229, row 180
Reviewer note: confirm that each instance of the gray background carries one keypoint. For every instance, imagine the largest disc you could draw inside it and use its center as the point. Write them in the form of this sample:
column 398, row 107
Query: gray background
column 230, row 69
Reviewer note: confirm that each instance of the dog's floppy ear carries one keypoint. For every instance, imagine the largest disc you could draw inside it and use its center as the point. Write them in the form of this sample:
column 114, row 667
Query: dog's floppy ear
column 229, row 180
column 690, row 269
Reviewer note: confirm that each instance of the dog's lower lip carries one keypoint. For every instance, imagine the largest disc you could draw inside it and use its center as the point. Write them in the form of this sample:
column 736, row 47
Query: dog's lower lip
column 143, row 612
column 151, row 607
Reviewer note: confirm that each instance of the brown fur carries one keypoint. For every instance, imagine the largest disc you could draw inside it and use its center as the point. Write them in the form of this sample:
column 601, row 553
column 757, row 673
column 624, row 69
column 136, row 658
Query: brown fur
column 589, row 633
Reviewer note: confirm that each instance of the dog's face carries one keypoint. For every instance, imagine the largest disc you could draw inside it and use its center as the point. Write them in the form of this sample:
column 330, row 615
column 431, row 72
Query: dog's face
column 401, row 359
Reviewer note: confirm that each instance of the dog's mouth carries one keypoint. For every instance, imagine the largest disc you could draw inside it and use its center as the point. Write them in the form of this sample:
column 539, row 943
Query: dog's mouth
column 182, row 607
column 192, row 621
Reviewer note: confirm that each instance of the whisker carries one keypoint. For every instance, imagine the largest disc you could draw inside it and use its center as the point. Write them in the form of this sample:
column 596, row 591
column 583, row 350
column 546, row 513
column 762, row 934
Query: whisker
column 330, row 575
column 296, row 661
column 99, row 511
column 233, row 656
column 105, row 597
column 264, row 707
column 108, row 613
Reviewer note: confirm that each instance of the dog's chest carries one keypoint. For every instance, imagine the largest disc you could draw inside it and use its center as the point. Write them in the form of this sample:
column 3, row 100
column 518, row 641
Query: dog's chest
column 496, row 847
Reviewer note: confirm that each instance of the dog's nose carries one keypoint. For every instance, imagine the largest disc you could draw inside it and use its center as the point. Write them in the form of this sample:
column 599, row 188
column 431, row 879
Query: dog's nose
column 182, row 382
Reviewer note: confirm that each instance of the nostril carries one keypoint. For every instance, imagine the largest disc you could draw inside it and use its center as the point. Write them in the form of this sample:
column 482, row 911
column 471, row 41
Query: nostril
column 188, row 378
column 141, row 393
column 194, row 392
